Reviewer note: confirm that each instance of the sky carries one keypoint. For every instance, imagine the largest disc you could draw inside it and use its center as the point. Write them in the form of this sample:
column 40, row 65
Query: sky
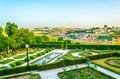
column 57, row 13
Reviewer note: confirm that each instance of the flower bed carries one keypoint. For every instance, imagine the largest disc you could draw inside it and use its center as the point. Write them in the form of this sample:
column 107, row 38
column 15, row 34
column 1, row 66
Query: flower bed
column 84, row 73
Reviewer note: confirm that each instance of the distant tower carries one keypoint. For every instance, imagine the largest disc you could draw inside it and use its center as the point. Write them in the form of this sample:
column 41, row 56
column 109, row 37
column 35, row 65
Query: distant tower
column 113, row 27
column 105, row 26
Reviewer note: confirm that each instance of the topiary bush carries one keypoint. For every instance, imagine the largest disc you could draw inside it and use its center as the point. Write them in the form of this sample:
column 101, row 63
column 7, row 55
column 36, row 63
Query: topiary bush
column 28, row 59
column 19, row 62
column 33, row 57
column 39, row 54
column 12, row 64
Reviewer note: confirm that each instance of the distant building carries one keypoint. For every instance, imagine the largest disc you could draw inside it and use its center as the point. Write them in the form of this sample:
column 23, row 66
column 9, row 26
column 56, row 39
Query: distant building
column 105, row 26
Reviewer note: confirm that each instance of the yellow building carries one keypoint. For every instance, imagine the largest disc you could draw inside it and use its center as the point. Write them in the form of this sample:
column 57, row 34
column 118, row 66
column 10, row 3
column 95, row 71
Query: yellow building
column 118, row 41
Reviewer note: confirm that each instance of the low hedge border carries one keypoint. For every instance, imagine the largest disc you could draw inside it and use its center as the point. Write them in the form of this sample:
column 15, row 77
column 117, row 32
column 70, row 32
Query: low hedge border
column 106, row 68
column 111, row 64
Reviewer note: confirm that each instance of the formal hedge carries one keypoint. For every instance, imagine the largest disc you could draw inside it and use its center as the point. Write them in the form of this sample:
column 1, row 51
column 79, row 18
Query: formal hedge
column 107, row 62
column 99, row 56
column 97, row 47
column 12, row 64
column 74, row 46
column 49, row 43
column 19, row 62
column 15, row 70
column 48, row 46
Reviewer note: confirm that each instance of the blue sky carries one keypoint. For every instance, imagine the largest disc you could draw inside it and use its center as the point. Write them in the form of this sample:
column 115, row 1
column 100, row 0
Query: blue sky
column 82, row 13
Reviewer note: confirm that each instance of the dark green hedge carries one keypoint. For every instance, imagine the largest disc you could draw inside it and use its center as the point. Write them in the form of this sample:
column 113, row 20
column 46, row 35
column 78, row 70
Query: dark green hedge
column 74, row 46
column 48, row 46
column 16, row 70
column 49, row 43
column 99, row 56
column 97, row 47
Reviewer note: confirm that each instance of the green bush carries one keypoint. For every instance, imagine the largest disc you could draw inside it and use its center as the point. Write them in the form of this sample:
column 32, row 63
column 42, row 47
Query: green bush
column 5, row 55
column 13, row 64
column 19, row 56
column 33, row 57
column 28, row 59
column 19, row 62
column 39, row 54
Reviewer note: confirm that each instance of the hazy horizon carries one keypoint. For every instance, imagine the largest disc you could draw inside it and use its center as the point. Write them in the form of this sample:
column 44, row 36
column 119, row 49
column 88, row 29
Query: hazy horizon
column 41, row 13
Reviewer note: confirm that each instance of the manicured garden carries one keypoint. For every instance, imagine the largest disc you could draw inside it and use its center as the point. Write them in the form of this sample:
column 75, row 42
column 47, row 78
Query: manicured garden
column 83, row 73
column 111, row 63
column 80, row 53
column 21, row 58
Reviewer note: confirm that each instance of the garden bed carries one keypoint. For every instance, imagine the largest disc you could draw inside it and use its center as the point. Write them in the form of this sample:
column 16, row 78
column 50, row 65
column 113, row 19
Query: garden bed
column 84, row 73
column 102, row 63
column 113, row 62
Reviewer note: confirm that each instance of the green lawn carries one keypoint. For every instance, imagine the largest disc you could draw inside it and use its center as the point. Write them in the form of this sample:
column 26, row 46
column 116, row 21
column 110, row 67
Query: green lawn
column 101, row 62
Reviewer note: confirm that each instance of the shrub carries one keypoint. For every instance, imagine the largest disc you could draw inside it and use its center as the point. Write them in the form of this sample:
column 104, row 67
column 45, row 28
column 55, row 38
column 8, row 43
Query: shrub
column 19, row 56
column 43, row 53
column 5, row 55
column 12, row 64
column 39, row 54
column 19, row 62
column 33, row 57
column 28, row 59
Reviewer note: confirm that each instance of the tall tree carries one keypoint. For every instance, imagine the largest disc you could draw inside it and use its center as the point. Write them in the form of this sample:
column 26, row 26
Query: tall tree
column 4, row 42
column 11, row 29
column 38, row 39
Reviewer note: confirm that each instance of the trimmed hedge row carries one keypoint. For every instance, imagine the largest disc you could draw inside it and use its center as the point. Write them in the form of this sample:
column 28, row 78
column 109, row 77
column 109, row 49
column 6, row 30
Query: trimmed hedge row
column 48, row 46
column 52, row 42
column 104, row 55
column 15, row 70
column 97, row 47
column 61, row 63
column 107, row 62
column 74, row 46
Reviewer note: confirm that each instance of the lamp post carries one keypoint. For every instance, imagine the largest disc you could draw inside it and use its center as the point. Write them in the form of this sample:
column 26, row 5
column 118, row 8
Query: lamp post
column 27, row 56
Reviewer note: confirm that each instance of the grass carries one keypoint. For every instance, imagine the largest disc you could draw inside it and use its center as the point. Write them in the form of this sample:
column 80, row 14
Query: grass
column 84, row 73
column 6, row 61
column 101, row 62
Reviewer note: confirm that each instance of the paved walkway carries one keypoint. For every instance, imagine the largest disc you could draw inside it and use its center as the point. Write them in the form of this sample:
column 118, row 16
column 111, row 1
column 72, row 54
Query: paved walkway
column 52, row 74
column 108, row 72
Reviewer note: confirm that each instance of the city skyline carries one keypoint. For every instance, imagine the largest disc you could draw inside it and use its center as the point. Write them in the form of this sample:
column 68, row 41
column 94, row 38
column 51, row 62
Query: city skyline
column 83, row 13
